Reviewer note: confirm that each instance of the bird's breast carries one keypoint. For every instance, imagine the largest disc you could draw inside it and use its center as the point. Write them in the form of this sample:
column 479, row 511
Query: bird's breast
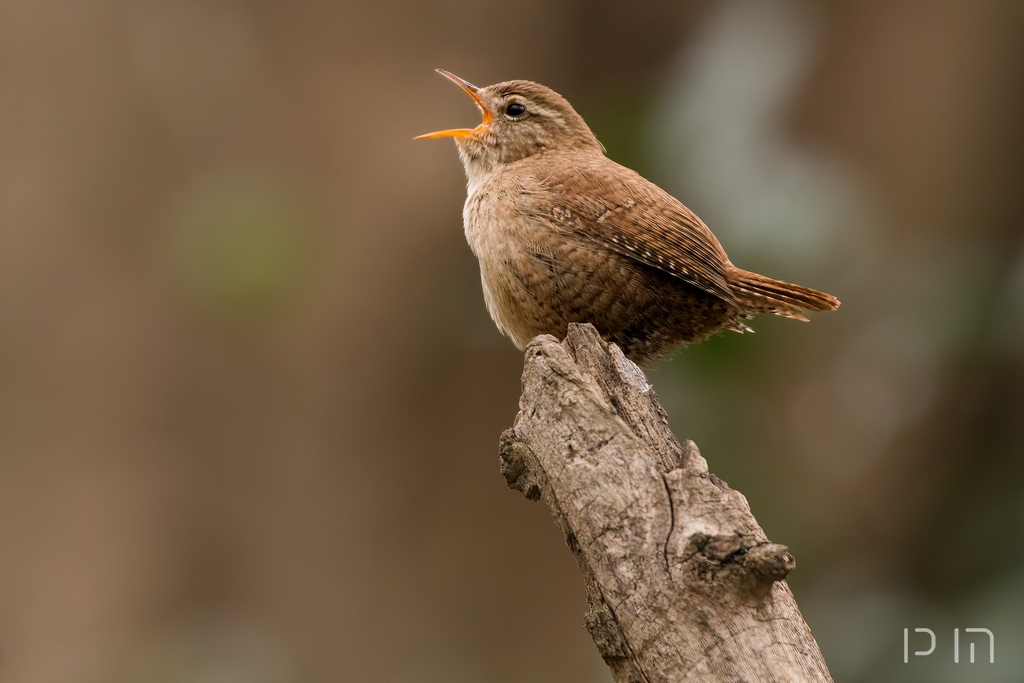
column 497, row 235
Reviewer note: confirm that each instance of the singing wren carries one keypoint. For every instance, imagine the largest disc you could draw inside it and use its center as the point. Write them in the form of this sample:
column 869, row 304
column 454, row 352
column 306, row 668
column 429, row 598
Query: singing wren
column 564, row 234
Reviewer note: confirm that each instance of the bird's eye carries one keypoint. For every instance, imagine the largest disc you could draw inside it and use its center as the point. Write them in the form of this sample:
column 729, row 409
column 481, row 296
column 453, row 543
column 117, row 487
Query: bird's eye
column 515, row 110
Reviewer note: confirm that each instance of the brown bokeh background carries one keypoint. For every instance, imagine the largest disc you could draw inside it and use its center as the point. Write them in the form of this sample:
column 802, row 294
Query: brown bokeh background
column 250, row 396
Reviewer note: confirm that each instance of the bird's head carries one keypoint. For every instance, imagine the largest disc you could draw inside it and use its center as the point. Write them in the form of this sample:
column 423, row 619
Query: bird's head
column 520, row 119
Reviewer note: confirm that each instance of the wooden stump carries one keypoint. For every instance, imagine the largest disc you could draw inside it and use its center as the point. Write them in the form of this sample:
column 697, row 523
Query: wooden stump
column 682, row 582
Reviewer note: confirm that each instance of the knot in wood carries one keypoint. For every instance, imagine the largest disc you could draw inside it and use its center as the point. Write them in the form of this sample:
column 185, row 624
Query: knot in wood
column 769, row 562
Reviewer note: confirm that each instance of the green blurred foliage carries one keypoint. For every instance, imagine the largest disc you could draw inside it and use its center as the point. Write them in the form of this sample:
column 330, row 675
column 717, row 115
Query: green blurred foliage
column 242, row 247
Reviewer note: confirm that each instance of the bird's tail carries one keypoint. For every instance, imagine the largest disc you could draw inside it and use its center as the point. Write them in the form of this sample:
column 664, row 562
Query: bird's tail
column 759, row 294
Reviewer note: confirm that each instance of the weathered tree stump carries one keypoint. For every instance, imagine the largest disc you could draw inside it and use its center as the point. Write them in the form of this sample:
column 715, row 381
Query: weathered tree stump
column 683, row 584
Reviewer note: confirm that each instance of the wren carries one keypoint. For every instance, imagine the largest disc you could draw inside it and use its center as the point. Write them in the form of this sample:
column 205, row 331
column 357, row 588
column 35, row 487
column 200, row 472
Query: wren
column 564, row 234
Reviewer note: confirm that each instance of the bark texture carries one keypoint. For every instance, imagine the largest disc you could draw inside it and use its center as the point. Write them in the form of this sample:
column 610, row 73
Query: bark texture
column 682, row 582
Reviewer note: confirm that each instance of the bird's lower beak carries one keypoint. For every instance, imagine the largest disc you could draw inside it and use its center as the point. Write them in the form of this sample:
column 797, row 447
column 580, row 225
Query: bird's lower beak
column 471, row 90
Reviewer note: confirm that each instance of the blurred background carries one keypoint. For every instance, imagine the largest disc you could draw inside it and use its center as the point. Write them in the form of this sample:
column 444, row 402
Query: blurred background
column 250, row 396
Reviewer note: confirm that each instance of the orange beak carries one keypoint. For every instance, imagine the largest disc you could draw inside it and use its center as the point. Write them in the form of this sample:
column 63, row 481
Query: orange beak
column 471, row 90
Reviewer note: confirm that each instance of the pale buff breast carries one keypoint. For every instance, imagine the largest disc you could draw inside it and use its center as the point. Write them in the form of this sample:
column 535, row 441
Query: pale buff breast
column 503, row 242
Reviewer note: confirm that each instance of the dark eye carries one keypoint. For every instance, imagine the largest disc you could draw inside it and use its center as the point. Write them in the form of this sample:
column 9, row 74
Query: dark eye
column 515, row 110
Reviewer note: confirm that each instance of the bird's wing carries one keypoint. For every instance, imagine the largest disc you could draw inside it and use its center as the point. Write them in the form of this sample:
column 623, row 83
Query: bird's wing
column 618, row 210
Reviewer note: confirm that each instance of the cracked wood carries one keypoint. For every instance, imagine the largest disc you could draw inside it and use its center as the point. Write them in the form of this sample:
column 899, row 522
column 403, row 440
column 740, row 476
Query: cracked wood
column 682, row 582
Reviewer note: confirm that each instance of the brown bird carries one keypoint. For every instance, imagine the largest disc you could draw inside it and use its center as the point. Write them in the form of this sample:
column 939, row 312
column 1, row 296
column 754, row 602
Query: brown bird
column 564, row 234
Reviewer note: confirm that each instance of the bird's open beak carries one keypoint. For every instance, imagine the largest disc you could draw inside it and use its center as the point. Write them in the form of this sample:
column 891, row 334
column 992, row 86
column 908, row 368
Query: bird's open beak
column 471, row 90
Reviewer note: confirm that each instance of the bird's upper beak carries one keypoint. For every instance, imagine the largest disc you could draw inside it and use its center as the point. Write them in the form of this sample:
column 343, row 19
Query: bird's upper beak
column 471, row 90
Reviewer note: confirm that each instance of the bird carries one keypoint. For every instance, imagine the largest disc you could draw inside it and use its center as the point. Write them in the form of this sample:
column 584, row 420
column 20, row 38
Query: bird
column 563, row 234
